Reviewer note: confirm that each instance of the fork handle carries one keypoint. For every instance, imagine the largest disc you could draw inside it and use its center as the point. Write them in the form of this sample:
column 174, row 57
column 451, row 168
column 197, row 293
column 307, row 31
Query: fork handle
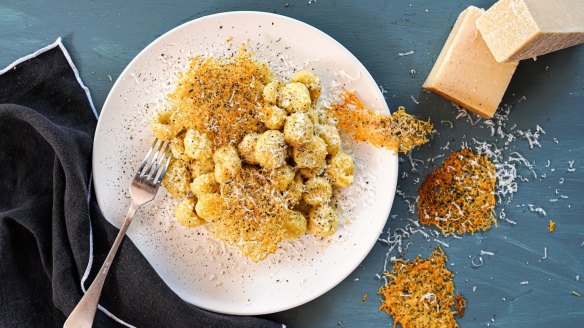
column 83, row 314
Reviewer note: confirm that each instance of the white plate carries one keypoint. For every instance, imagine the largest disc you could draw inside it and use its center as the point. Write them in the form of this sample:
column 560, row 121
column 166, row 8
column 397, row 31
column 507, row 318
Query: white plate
column 198, row 268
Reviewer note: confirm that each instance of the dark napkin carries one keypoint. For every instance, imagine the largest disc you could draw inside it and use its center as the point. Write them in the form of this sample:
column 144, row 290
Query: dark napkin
column 46, row 137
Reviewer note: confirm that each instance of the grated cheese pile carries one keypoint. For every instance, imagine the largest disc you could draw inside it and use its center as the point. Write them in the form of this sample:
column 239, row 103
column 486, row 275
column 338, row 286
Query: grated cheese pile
column 221, row 97
column 421, row 293
column 253, row 213
column 459, row 197
column 399, row 131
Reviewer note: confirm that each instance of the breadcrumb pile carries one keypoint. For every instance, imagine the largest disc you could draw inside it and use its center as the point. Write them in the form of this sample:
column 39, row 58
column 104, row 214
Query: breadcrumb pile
column 221, row 97
column 399, row 131
column 421, row 293
column 459, row 197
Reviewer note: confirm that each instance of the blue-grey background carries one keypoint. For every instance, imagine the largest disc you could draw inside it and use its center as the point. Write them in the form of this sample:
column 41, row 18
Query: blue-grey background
column 103, row 36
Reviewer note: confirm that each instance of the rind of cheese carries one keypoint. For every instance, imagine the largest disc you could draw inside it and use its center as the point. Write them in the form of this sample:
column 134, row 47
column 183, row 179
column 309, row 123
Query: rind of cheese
column 521, row 29
column 466, row 72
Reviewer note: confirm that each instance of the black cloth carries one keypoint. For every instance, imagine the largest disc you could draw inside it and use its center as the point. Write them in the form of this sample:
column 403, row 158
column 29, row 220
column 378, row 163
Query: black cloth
column 46, row 137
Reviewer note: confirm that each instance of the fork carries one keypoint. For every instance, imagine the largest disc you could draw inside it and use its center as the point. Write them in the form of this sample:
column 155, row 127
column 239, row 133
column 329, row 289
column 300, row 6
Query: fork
column 143, row 188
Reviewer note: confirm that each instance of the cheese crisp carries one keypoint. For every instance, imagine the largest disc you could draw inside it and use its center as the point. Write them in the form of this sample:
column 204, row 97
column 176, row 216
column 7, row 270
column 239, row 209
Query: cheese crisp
column 254, row 159
column 459, row 197
column 421, row 293
column 398, row 132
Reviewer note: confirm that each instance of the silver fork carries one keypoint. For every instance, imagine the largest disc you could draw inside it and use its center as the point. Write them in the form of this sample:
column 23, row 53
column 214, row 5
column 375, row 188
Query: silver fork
column 143, row 188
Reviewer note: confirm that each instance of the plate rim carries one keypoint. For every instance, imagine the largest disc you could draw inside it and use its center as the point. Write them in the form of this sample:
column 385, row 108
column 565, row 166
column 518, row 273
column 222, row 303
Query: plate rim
column 366, row 74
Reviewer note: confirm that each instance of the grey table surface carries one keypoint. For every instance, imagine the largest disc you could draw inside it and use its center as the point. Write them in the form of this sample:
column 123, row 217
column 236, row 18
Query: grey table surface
column 103, row 36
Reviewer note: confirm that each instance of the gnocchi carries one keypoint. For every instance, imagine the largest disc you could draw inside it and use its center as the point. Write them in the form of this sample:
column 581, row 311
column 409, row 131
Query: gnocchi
column 198, row 168
column 311, row 81
column 161, row 126
column 330, row 135
column 275, row 117
column 294, row 97
column 318, row 191
column 295, row 190
column 311, row 154
column 177, row 179
column 298, row 129
column 185, row 213
column 294, row 225
column 271, row 92
column 271, row 149
column 204, row 184
column 177, row 147
column 323, row 221
column 315, row 116
column 198, row 145
column 341, row 170
column 227, row 163
column 308, row 173
column 247, row 147
column 282, row 177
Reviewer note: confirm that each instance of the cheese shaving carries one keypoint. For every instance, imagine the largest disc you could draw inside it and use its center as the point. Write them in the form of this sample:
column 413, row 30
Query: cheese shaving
column 552, row 226
column 364, row 298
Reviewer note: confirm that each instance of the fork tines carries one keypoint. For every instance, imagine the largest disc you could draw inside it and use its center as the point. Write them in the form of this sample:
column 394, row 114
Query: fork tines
column 157, row 157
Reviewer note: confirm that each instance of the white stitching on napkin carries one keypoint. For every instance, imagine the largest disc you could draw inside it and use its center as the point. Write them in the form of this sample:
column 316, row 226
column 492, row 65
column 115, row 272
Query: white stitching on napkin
column 67, row 56
column 59, row 44
column 90, row 261
column 86, row 89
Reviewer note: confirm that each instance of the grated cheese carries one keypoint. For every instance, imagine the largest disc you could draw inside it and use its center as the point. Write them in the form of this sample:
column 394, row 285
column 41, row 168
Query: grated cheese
column 407, row 53
column 538, row 210
column 207, row 91
column 441, row 242
column 532, row 137
column 477, row 261
column 571, row 167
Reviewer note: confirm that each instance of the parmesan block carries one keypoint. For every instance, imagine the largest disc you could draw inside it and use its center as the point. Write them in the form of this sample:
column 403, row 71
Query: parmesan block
column 522, row 29
column 466, row 72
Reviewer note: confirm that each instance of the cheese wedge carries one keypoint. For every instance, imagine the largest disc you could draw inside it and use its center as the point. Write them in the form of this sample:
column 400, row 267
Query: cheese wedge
column 522, row 29
column 466, row 72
